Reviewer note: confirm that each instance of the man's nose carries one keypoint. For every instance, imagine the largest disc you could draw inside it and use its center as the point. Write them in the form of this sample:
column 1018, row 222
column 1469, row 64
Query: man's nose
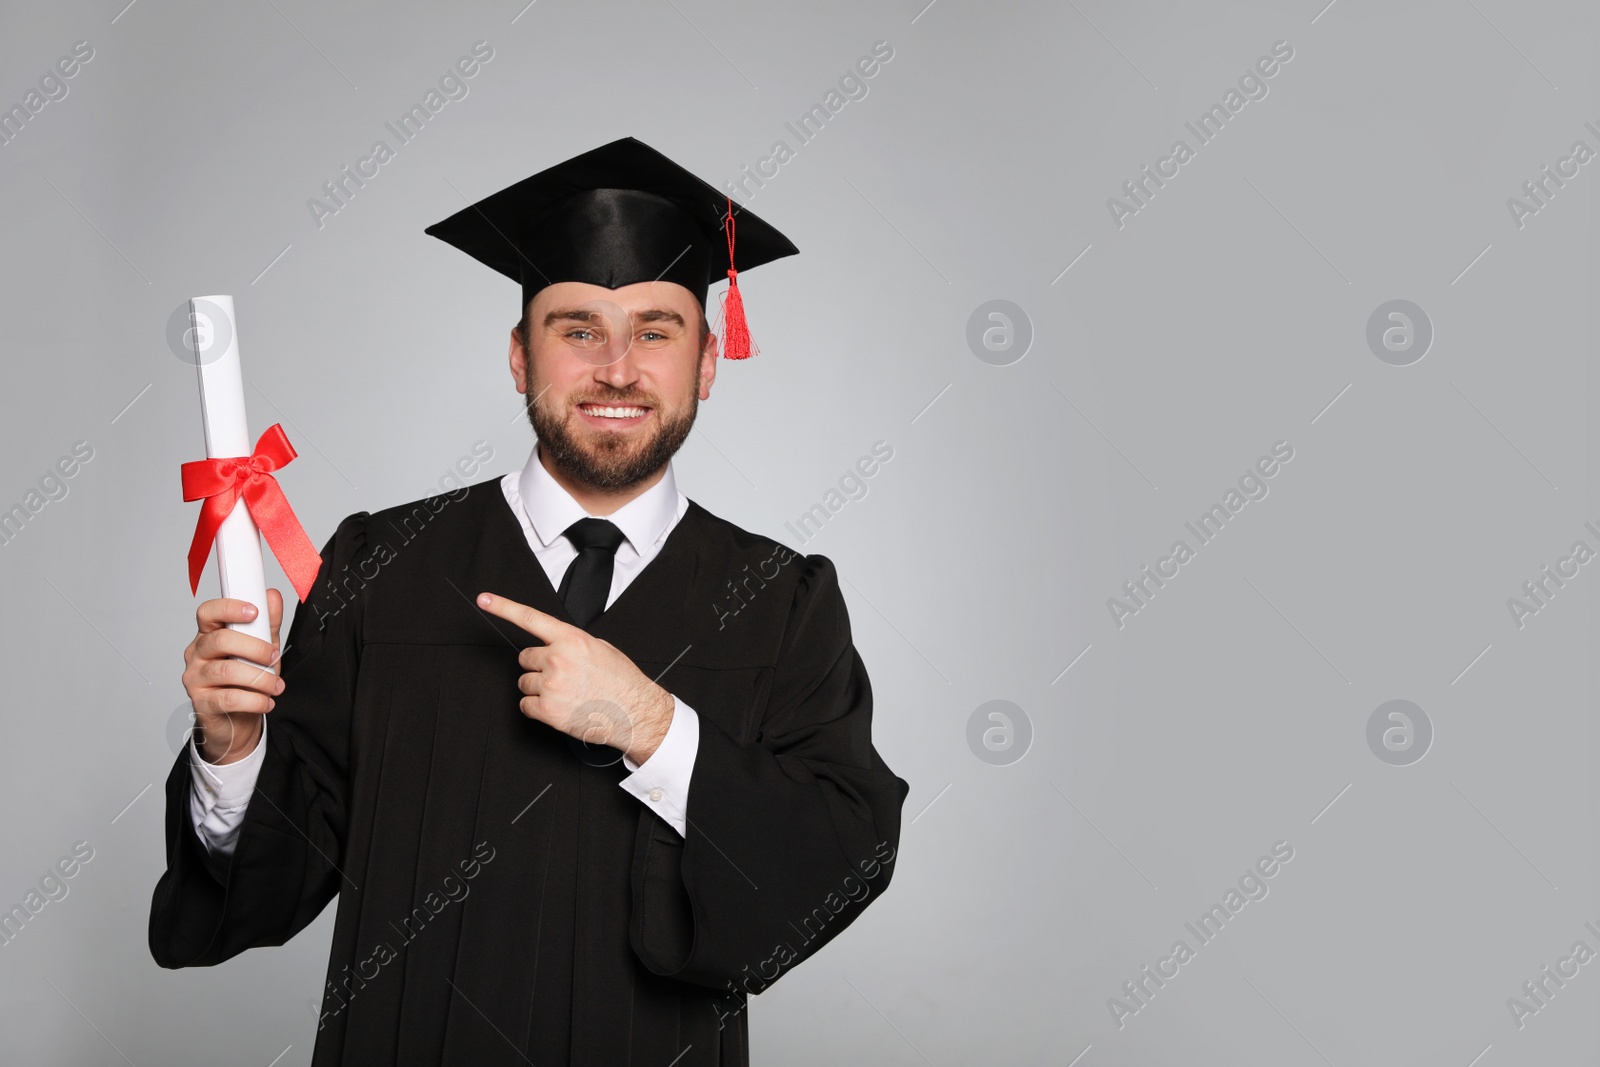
column 622, row 370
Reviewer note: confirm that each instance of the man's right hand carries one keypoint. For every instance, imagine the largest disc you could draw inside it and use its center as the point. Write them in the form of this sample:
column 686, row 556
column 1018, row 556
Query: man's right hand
column 229, row 697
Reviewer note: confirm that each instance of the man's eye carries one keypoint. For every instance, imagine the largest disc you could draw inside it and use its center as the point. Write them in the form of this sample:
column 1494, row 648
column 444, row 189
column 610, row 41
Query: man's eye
column 652, row 335
column 580, row 334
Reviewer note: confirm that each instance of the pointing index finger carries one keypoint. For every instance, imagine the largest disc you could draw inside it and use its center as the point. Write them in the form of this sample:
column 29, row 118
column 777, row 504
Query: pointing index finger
column 538, row 623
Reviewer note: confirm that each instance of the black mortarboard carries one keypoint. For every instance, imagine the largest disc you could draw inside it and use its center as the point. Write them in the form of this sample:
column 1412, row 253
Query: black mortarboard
column 618, row 214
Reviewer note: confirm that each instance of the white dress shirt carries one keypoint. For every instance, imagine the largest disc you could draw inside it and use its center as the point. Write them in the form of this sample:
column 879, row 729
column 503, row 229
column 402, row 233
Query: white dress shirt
column 544, row 510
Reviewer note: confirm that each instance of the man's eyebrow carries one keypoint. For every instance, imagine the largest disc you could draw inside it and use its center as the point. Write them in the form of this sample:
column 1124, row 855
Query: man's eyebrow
column 570, row 315
column 660, row 315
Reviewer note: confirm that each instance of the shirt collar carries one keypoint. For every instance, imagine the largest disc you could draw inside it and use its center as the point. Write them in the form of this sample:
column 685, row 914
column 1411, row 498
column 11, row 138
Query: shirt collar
column 551, row 509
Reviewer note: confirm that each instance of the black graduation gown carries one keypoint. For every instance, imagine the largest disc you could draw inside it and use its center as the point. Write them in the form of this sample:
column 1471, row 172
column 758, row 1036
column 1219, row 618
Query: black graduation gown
column 501, row 899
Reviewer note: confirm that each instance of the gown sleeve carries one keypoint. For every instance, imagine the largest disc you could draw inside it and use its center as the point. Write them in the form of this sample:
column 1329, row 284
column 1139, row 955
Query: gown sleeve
column 285, row 866
column 789, row 838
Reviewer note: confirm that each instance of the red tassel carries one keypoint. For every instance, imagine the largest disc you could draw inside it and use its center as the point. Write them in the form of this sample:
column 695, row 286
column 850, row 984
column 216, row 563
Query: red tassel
column 736, row 343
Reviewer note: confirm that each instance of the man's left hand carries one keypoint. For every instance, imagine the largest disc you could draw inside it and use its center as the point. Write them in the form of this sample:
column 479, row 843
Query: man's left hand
column 583, row 686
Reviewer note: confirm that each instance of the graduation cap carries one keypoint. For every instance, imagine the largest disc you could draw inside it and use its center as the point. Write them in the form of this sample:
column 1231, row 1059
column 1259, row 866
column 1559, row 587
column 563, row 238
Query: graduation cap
column 613, row 216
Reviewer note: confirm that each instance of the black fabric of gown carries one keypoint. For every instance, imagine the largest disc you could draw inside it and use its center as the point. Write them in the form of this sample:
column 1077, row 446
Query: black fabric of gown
column 501, row 899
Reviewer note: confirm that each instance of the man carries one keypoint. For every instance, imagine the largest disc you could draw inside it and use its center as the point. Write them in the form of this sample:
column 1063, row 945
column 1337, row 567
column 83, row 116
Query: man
column 584, row 764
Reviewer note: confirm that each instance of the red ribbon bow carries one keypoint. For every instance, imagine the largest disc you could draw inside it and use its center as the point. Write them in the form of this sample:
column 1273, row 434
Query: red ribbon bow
column 221, row 482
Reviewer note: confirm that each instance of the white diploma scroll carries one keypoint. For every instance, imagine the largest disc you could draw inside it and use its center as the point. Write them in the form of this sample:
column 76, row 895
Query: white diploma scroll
column 214, row 341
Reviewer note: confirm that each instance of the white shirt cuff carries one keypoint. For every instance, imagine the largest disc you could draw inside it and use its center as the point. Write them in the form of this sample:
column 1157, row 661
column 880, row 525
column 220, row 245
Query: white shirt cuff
column 662, row 781
column 221, row 794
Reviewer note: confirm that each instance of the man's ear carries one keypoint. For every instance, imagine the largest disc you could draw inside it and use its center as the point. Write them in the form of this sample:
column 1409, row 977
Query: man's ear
column 708, row 365
column 518, row 357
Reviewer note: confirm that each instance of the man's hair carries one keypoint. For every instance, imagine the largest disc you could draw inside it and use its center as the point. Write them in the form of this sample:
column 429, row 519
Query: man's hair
column 521, row 328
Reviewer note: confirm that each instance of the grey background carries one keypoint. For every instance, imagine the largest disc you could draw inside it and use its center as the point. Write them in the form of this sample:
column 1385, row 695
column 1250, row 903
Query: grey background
column 1227, row 315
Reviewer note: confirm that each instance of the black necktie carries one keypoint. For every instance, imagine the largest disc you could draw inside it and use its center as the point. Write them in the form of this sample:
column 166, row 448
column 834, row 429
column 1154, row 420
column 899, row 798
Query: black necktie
column 587, row 583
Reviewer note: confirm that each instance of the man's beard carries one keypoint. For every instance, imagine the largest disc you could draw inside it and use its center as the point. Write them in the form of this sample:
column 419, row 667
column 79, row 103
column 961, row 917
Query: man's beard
column 617, row 461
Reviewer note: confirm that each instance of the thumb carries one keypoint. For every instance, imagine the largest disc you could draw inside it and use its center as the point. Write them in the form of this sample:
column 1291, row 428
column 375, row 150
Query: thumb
column 274, row 613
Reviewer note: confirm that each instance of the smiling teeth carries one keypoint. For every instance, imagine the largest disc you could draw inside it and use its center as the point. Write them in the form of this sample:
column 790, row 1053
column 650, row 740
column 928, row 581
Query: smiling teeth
column 615, row 413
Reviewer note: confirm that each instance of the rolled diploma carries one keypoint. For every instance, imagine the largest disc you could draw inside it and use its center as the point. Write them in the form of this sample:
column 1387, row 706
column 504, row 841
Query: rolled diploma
column 238, row 544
